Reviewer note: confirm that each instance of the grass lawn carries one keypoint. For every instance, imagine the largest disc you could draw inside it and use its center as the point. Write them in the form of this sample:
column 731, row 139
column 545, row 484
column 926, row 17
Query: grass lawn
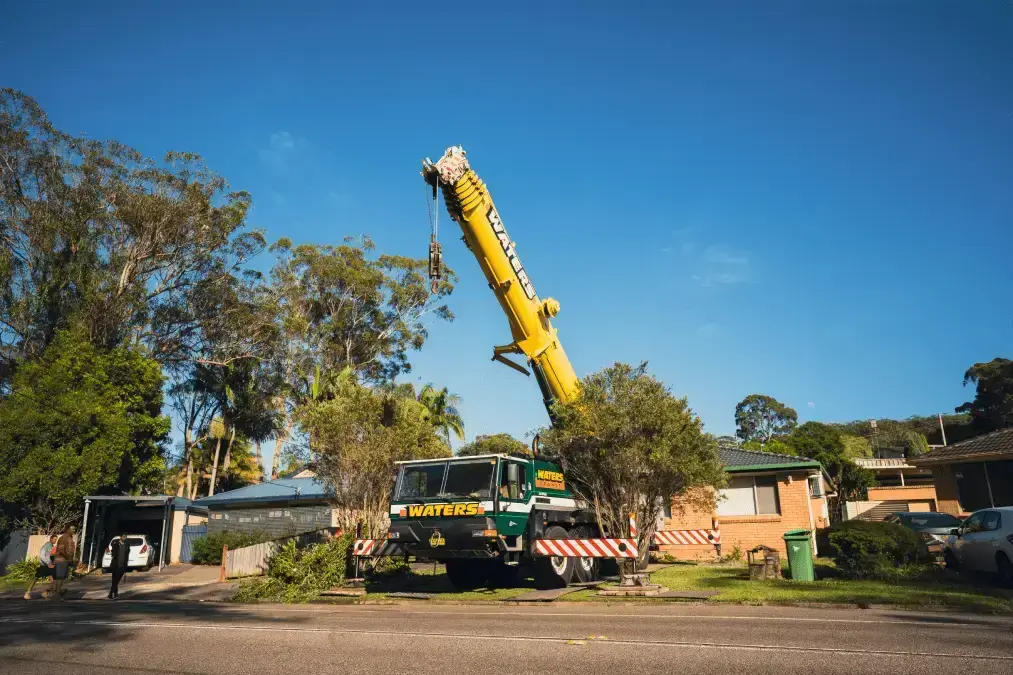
column 937, row 589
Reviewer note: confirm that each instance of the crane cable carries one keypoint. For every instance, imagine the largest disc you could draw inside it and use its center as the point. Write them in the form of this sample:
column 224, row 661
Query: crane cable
column 435, row 250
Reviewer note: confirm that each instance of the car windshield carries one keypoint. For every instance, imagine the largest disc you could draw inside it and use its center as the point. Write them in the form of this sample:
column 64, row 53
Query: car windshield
column 134, row 541
column 470, row 479
column 930, row 520
column 421, row 481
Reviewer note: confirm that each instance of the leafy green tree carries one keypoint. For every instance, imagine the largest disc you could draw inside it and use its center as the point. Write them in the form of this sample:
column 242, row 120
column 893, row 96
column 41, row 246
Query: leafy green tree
column 825, row 444
column 856, row 447
column 80, row 420
column 761, row 418
column 359, row 434
column 95, row 234
column 774, row 446
column 494, row 444
column 628, row 445
column 340, row 308
column 992, row 407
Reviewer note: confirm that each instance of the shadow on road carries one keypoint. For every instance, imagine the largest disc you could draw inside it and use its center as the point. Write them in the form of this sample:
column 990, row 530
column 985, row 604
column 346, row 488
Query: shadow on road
column 88, row 626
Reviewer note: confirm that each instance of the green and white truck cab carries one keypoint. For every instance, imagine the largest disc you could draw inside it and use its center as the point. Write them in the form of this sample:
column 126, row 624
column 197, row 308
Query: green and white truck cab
column 481, row 516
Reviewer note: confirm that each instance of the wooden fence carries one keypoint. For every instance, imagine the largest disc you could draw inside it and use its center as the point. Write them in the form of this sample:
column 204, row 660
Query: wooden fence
column 251, row 561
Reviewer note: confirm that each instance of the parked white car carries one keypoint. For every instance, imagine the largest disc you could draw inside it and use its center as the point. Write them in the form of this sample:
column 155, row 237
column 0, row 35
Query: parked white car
column 983, row 543
column 141, row 554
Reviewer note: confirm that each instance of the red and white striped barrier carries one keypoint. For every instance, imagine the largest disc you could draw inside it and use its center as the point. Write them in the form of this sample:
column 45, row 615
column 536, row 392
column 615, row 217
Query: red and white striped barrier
column 633, row 526
column 687, row 537
column 375, row 547
column 587, row 548
column 710, row 537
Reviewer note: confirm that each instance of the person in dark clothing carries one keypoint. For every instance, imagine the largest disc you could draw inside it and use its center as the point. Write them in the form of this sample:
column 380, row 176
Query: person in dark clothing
column 118, row 550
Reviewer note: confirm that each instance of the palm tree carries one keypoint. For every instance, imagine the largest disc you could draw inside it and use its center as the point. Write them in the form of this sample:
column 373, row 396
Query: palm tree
column 243, row 395
column 442, row 412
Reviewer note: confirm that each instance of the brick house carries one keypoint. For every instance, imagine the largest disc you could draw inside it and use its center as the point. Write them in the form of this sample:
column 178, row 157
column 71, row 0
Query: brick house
column 766, row 496
column 973, row 474
column 900, row 486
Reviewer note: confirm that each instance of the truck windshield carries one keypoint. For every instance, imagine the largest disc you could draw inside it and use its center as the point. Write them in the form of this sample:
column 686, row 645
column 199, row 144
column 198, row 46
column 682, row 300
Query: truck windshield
column 470, row 479
column 421, row 481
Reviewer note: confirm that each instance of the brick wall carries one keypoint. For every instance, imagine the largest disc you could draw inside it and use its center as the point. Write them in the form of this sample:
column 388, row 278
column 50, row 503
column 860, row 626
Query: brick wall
column 914, row 493
column 947, row 499
column 748, row 531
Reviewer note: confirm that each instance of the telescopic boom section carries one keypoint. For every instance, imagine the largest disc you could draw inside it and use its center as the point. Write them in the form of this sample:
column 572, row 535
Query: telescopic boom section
column 471, row 205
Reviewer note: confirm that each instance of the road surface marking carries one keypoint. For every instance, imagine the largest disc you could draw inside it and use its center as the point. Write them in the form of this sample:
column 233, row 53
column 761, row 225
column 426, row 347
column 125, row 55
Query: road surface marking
column 680, row 644
column 378, row 610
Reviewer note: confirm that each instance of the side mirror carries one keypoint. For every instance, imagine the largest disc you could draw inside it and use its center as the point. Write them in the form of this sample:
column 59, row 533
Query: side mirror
column 513, row 476
column 513, row 473
column 955, row 531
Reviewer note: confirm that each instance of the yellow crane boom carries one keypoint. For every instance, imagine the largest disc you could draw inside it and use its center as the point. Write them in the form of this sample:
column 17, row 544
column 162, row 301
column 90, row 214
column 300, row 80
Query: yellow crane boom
column 470, row 204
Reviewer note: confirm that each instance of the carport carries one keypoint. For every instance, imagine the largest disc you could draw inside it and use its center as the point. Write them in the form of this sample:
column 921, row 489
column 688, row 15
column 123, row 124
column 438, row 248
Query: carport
column 156, row 516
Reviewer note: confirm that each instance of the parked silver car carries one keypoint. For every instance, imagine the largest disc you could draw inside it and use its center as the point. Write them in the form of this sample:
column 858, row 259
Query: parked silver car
column 932, row 526
column 983, row 543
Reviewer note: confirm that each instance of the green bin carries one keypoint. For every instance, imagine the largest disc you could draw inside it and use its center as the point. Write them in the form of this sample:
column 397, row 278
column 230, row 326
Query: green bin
column 800, row 555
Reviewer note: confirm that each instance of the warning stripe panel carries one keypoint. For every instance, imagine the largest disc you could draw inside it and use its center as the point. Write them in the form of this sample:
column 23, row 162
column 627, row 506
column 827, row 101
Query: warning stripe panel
column 687, row 537
column 375, row 547
column 587, row 548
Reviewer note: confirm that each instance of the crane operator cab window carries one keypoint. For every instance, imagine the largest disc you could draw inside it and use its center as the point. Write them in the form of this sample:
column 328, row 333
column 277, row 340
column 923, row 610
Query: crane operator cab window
column 511, row 480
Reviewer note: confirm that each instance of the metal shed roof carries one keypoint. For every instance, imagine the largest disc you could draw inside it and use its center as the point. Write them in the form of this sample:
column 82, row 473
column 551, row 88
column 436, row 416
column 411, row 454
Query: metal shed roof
column 280, row 490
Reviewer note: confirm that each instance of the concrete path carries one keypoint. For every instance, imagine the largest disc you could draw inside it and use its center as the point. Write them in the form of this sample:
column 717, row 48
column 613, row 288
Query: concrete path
column 90, row 638
column 182, row 582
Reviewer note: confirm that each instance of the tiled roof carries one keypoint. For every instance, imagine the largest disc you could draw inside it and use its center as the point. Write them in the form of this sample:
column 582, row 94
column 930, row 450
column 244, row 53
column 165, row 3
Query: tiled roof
column 996, row 443
column 736, row 459
column 282, row 489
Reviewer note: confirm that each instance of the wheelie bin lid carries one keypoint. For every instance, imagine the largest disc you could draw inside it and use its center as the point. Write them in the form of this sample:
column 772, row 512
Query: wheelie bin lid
column 797, row 534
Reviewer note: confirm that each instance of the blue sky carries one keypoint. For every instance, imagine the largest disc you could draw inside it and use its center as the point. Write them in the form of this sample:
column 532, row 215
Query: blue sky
column 810, row 200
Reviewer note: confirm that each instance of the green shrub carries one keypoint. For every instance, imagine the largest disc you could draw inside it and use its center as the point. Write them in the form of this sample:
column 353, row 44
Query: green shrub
column 389, row 566
column 23, row 571
column 866, row 550
column 297, row 575
column 207, row 550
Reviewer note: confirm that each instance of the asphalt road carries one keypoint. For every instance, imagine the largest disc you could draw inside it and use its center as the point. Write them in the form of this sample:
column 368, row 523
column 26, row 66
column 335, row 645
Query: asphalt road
column 88, row 638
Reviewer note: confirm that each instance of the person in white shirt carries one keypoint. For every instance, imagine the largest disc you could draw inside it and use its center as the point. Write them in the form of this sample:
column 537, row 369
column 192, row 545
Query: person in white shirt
column 46, row 565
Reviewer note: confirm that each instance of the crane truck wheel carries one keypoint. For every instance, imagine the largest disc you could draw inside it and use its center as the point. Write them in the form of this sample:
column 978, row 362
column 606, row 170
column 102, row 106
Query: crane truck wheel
column 586, row 569
column 466, row 574
column 554, row 571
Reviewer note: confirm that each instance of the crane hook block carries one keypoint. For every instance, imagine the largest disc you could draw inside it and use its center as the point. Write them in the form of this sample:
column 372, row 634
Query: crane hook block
column 435, row 264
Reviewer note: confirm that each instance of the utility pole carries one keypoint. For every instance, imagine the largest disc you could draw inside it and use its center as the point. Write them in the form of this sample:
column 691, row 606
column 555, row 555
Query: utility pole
column 942, row 429
column 875, row 437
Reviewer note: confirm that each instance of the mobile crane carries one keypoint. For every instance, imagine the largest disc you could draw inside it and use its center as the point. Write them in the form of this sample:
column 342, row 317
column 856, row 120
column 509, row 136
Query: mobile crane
column 488, row 516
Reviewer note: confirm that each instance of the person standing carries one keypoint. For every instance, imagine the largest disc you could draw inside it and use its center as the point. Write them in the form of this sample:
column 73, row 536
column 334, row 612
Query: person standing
column 118, row 552
column 63, row 556
column 45, row 569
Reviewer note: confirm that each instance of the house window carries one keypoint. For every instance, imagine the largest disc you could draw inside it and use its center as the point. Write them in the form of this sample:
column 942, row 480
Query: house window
column 749, row 496
column 815, row 489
